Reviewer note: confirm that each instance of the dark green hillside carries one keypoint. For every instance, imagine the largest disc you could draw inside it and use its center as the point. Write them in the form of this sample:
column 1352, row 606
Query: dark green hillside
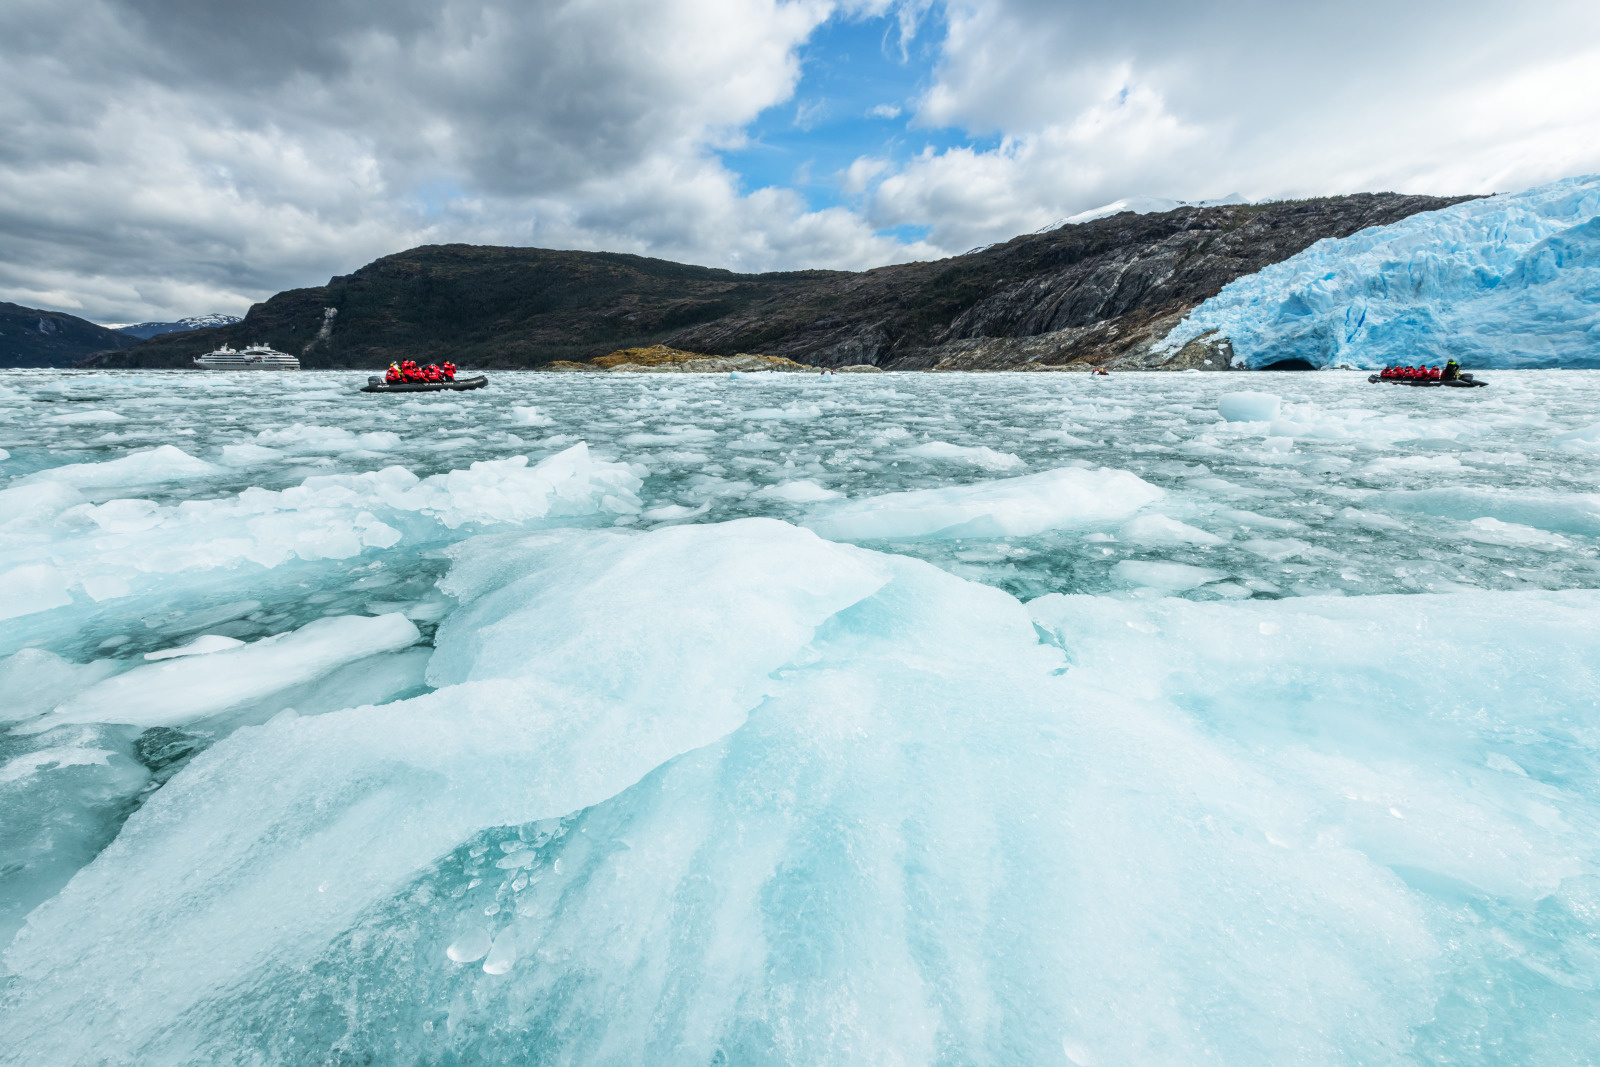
column 33, row 338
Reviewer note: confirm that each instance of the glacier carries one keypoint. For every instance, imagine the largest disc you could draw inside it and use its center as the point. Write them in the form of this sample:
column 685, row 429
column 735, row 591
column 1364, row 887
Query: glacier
column 775, row 719
column 1512, row 280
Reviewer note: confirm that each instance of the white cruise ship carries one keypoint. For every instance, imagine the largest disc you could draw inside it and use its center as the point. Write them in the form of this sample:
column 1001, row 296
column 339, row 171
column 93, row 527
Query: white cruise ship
column 255, row 357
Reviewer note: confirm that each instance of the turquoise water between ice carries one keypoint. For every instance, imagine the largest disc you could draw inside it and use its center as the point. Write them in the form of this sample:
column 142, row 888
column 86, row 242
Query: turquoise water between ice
column 1033, row 718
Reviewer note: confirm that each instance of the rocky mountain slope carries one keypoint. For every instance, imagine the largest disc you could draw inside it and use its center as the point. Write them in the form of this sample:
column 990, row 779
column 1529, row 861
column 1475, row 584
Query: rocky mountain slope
column 30, row 337
column 1099, row 292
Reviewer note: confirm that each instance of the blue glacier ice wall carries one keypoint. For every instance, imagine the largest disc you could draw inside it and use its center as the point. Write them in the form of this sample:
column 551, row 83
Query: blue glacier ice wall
column 1510, row 281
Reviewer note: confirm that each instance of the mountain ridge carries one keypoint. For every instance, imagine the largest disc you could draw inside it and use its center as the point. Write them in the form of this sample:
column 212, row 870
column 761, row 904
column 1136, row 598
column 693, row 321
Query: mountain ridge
column 1098, row 292
column 33, row 337
column 146, row 330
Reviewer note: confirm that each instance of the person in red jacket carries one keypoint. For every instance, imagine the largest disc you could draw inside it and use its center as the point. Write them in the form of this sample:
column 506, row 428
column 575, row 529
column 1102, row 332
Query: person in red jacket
column 409, row 369
column 431, row 373
column 1433, row 374
column 449, row 371
column 393, row 375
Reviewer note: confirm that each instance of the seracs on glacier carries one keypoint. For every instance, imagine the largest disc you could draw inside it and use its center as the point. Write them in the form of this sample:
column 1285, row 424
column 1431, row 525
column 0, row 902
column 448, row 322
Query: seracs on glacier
column 1507, row 281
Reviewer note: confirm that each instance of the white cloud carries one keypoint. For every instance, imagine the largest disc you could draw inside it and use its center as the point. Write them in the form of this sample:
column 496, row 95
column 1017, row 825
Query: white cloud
column 1153, row 98
column 168, row 157
column 155, row 173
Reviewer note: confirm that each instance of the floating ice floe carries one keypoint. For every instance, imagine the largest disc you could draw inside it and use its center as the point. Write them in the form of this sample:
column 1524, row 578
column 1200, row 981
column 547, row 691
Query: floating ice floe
column 799, row 491
column 33, row 681
column 192, row 687
column 1249, row 407
column 167, row 463
column 1158, row 531
column 990, row 827
column 968, row 455
column 1066, row 498
column 200, row 646
column 1165, row 575
column 302, row 438
column 333, row 516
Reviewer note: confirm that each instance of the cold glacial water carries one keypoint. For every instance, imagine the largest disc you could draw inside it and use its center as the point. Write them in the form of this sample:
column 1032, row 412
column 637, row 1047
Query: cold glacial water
column 866, row 719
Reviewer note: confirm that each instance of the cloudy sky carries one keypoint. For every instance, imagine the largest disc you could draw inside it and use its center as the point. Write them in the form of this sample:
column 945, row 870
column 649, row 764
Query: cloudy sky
column 161, row 158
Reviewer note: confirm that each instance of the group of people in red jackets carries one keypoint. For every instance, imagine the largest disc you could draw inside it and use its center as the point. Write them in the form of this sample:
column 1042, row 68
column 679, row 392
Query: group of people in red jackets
column 408, row 371
column 1451, row 371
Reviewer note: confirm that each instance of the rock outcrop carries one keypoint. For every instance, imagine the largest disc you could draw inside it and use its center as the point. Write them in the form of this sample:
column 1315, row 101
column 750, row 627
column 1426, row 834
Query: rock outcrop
column 660, row 359
column 1096, row 293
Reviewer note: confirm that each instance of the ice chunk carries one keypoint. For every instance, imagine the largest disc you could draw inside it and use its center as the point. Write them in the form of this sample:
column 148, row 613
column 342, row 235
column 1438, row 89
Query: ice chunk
column 249, row 455
column 508, row 490
column 580, row 686
column 471, row 946
column 1431, row 465
column 972, row 456
column 503, row 954
column 37, row 502
column 200, row 646
column 31, row 588
column 303, row 438
column 1586, row 439
column 654, row 652
column 334, row 516
column 30, row 763
column 82, row 418
column 799, row 491
column 912, row 752
column 379, row 440
column 674, row 512
column 1506, row 281
column 1066, row 498
column 1494, row 532
column 63, row 794
column 167, row 463
column 196, row 687
column 530, row 416
column 1159, row 531
column 1172, row 577
column 32, row 681
column 1571, row 513
column 1249, row 406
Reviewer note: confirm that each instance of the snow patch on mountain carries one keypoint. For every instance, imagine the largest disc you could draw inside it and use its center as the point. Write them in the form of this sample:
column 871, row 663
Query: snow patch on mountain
column 147, row 330
column 1141, row 205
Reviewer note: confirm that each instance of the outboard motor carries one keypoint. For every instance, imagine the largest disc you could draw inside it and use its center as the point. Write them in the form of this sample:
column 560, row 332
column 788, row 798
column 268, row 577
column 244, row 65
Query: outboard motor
column 374, row 380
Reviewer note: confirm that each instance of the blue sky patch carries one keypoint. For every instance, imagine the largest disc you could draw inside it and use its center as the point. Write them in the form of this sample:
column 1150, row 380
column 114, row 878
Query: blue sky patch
column 859, row 86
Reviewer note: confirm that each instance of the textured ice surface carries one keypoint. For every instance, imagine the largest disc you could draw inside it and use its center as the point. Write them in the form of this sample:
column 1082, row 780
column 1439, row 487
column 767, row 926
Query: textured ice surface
column 1510, row 281
column 1128, row 751
column 1068, row 498
column 192, row 687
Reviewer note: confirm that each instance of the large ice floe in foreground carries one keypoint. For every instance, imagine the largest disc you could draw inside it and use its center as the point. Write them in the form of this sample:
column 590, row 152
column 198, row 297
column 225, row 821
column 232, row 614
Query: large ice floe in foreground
column 1508, row 281
column 731, row 793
